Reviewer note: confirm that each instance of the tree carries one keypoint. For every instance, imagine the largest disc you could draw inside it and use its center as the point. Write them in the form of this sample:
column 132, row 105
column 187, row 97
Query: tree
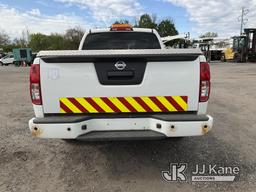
column 166, row 27
column 121, row 21
column 209, row 34
column 70, row 40
column 147, row 21
column 56, row 42
column 23, row 40
column 4, row 38
column 8, row 47
column 38, row 42
column 73, row 37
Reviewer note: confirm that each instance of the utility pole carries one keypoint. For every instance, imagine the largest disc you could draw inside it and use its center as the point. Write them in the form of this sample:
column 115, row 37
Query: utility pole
column 242, row 19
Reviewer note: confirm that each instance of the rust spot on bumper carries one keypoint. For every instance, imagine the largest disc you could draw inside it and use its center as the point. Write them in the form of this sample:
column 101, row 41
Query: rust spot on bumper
column 205, row 129
column 36, row 132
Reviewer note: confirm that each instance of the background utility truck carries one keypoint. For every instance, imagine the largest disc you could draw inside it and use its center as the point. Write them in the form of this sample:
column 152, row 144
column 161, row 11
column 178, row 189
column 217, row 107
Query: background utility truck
column 121, row 84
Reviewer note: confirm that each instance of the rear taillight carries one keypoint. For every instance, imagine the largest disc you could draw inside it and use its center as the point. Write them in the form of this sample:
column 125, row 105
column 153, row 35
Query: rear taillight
column 35, row 89
column 205, row 82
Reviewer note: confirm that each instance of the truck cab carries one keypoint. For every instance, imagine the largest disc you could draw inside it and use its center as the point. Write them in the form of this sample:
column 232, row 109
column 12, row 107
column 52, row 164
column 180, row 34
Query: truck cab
column 121, row 84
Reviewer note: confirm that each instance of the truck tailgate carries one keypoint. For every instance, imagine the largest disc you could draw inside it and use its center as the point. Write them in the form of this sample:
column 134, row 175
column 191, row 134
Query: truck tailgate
column 119, row 81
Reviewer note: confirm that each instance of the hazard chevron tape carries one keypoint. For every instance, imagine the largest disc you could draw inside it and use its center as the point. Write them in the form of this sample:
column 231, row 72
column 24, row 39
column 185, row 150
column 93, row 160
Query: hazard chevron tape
column 141, row 104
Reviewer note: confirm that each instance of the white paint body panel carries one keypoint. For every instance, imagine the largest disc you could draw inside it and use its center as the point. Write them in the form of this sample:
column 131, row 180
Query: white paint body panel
column 182, row 129
column 120, row 52
column 38, row 110
column 202, row 108
column 80, row 80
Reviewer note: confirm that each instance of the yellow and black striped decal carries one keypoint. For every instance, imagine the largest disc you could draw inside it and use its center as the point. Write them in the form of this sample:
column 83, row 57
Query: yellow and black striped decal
column 141, row 104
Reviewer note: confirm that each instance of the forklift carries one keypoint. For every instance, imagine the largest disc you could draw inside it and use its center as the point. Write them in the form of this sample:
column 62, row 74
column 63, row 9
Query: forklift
column 204, row 45
column 250, row 51
column 243, row 47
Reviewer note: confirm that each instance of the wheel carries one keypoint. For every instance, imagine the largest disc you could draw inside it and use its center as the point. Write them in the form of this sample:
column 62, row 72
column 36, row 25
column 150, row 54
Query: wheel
column 237, row 58
column 16, row 63
column 1, row 63
column 70, row 141
column 222, row 58
column 177, row 139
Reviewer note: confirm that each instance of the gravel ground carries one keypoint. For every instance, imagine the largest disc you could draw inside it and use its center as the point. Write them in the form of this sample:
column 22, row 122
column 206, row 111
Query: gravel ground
column 30, row 164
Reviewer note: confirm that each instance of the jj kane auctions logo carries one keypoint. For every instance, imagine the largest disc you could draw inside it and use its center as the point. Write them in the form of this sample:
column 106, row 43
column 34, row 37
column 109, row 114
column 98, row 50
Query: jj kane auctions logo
column 214, row 173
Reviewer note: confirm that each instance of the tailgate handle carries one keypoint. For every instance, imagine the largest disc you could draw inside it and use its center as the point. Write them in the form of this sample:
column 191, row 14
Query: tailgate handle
column 120, row 75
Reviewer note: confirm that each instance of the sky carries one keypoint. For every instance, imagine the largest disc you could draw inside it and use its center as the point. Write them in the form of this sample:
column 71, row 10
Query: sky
column 55, row 16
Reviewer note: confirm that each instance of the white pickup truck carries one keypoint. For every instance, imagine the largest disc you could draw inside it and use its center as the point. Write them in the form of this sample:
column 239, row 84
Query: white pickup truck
column 121, row 84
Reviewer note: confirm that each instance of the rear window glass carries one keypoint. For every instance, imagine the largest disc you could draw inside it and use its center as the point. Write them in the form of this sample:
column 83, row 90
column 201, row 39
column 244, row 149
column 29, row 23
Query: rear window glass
column 121, row 40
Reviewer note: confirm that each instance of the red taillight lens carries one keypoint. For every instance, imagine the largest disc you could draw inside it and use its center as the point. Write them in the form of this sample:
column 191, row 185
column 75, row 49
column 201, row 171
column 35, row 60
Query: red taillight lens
column 205, row 82
column 35, row 89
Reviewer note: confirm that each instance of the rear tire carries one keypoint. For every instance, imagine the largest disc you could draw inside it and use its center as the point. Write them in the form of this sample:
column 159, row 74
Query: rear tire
column 70, row 141
column 222, row 58
column 237, row 58
column 177, row 139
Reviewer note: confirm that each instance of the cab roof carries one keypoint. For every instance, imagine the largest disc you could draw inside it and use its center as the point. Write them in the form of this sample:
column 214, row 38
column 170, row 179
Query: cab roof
column 99, row 30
